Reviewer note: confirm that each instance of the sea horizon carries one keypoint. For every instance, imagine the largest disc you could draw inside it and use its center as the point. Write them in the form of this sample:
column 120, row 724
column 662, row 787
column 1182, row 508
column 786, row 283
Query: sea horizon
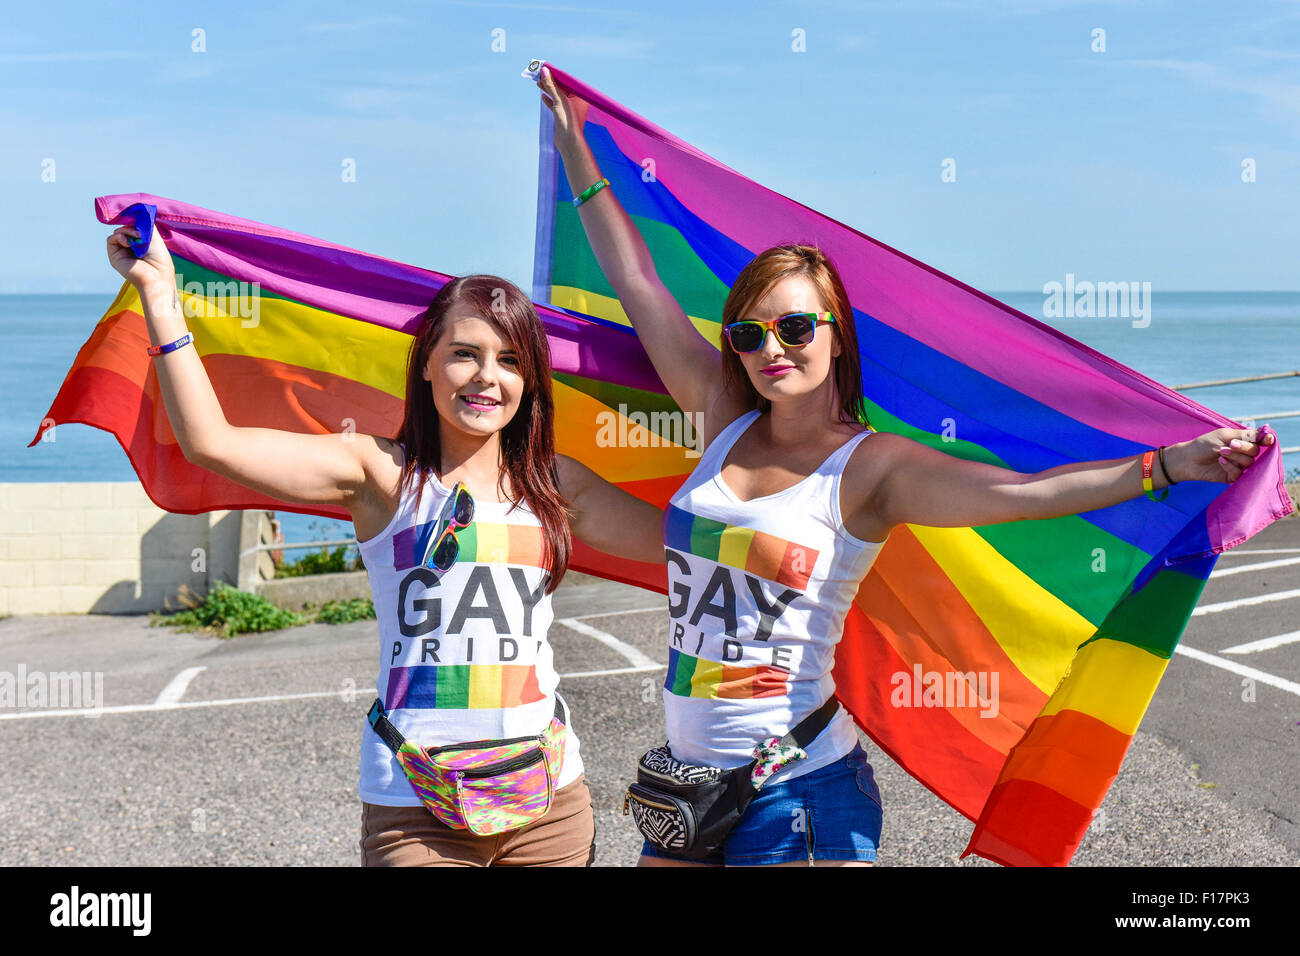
column 1181, row 340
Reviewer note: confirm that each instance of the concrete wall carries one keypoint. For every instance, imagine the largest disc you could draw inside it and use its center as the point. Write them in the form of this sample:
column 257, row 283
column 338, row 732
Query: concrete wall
column 105, row 548
column 293, row 593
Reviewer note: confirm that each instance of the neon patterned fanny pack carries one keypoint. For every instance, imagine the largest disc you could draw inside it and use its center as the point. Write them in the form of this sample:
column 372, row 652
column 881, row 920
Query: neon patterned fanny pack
column 484, row 786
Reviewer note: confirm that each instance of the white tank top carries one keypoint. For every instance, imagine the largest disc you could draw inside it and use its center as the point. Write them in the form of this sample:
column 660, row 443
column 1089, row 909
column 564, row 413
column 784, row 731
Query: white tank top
column 463, row 655
column 758, row 591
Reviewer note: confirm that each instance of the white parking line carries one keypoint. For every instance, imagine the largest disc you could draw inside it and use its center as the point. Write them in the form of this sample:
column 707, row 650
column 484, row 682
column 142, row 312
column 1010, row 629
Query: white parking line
column 1264, row 644
column 635, row 610
column 174, row 691
column 180, row 705
column 1245, row 602
column 634, row 656
column 1233, row 554
column 271, row 698
column 1263, row 678
column 616, row 670
column 1279, row 563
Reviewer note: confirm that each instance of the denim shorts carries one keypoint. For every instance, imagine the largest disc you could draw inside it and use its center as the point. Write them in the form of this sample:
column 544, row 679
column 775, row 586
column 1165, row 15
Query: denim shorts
column 830, row 814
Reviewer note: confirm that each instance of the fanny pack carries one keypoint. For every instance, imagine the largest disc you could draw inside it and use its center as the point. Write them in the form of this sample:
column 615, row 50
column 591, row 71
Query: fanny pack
column 484, row 786
column 689, row 810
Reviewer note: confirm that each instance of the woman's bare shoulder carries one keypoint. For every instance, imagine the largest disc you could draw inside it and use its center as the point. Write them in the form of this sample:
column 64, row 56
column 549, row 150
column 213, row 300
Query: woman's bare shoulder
column 869, row 462
column 727, row 406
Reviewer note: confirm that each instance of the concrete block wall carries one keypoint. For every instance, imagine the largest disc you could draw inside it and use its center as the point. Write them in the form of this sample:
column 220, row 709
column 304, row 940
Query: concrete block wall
column 105, row 548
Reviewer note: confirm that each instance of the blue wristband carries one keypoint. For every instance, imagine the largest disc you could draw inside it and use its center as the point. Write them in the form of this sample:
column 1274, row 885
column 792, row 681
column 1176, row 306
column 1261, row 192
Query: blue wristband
column 171, row 346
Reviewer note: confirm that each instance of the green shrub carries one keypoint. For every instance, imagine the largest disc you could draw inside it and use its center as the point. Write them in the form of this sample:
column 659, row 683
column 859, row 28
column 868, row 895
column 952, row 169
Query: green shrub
column 344, row 612
column 324, row 561
column 230, row 611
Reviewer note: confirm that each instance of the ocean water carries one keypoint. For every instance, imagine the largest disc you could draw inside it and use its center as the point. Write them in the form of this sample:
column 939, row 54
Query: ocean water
column 1190, row 337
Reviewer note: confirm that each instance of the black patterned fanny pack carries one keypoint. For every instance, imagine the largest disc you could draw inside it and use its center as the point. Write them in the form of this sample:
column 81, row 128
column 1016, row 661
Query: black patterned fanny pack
column 688, row 810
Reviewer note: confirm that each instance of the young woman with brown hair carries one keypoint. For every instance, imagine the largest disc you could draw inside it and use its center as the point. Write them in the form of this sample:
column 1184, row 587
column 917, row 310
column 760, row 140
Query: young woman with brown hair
column 787, row 508
column 463, row 520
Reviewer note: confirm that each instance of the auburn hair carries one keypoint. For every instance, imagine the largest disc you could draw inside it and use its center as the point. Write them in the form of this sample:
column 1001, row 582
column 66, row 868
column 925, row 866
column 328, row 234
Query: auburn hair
column 764, row 271
column 527, row 440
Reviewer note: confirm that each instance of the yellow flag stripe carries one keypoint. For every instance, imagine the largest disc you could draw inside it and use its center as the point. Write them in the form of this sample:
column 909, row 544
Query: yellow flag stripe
column 1036, row 629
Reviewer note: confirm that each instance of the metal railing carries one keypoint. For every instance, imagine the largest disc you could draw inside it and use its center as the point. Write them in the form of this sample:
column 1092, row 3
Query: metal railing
column 298, row 545
column 1234, row 381
column 1250, row 418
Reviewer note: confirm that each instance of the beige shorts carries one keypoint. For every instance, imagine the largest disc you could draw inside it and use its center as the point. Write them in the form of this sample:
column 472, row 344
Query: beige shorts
column 412, row 836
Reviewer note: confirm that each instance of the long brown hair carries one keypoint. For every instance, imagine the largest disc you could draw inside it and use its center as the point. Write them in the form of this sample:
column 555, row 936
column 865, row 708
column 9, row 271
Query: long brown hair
column 764, row 271
column 527, row 440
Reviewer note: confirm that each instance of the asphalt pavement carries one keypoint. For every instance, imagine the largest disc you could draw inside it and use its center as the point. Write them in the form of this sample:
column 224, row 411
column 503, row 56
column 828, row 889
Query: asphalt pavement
column 244, row 751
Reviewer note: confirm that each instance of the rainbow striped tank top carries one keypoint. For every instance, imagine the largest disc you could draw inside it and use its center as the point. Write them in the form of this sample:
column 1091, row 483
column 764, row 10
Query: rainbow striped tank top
column 758, row 591
column 462, row 655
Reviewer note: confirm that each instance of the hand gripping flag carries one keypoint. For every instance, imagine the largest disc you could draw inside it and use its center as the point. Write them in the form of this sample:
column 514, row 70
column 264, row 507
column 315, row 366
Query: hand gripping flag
column 1006, row 667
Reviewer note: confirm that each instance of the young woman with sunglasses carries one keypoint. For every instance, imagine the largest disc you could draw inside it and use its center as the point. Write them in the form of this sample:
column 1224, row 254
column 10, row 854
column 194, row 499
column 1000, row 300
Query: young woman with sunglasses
column 788, row 462
column 462, row 588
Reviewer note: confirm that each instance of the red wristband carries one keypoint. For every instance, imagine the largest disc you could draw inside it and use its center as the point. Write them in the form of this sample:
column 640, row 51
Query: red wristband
column 1146, row 477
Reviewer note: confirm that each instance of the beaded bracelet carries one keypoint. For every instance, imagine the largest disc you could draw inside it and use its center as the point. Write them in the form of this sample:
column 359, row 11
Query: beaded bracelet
column 1168, row 477
column 590, row 191
column 171, row 346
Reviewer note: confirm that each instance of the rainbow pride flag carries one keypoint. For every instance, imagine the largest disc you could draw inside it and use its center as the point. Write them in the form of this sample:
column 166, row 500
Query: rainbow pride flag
column 1073, row 620
column 305, row 335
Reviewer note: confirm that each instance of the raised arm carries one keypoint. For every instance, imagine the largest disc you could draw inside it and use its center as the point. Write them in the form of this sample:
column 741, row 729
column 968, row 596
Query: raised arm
column 894, row 480
column 294, row 467
column 687, row 363
column 608, row 518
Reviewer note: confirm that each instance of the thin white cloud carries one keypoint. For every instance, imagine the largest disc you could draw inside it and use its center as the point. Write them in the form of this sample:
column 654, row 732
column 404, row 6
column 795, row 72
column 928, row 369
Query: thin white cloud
column 555, row 45
column 360, row 23
column 366, row 99
column 545, row 7
column 1268, row 54
column 720, row 69
column 76, row 56
column 390, row 89
column 928, row 8
column 1282, row 95
column 197, row 66
column 848, row 42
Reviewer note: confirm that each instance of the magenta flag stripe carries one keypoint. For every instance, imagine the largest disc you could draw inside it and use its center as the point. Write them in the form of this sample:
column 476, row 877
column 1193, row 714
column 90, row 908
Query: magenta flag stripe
column 366, row 288
column 1251, row 503
column 1006, row 345
column 998, row 341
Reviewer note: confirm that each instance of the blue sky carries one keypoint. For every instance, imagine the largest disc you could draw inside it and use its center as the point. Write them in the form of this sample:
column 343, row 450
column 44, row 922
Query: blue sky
column 1117, row 166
